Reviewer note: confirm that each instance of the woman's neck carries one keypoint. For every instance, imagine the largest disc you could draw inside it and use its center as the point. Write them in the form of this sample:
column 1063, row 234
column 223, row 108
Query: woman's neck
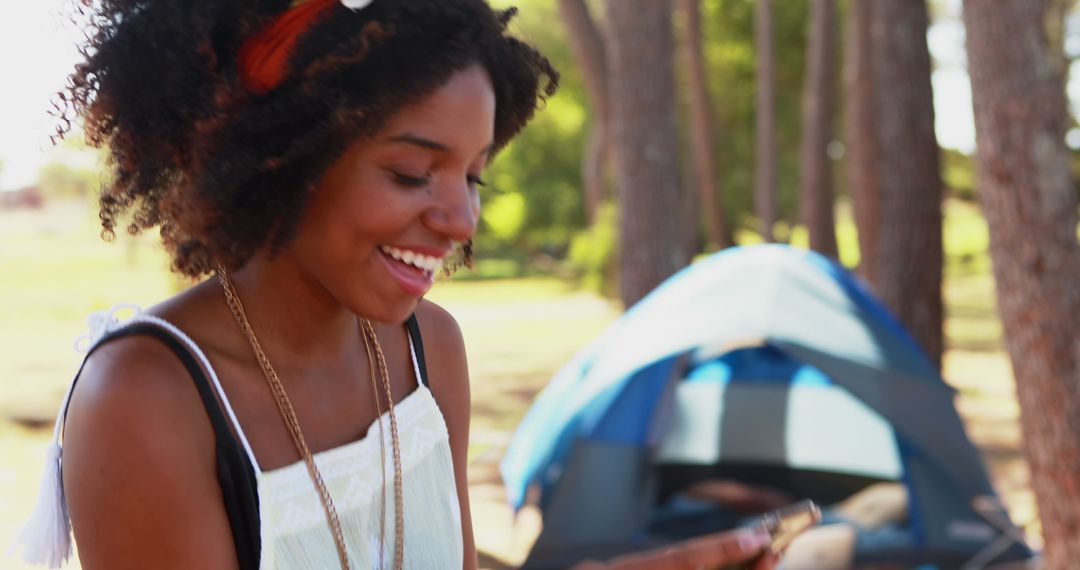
column 294, row 316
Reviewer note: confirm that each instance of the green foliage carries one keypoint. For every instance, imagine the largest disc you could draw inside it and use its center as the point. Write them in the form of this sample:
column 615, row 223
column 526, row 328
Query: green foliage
column 489, row 269
column 534, row 202
column 74, row 170
column 504, row 215
column 59, row 179
column 847, row 239
column 966, row 239
column 535, row 205
column 543, row 166
column 958, row 174
column 728, row 28
column 965, row 234
column 592, row 253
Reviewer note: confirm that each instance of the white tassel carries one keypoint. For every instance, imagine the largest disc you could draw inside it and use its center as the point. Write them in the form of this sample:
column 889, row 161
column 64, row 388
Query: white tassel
column 46, row 538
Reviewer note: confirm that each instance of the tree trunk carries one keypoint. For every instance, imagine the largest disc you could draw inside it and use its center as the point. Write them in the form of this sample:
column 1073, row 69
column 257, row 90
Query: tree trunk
column 1027, row 194
column 1057, row 13
column 860, row 132
column 765, row 193
column 908, row 254
column 816, row 179
column 645, row 144
column 710, row 201
column 587, row 45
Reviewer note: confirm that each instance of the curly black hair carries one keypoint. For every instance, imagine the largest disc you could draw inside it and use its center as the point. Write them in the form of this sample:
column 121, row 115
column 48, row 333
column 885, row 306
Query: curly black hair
column 224, row 170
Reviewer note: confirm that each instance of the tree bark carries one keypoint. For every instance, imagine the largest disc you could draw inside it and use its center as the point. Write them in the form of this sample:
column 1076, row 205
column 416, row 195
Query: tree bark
column 1057, row 13
column 860, row 132
column 710, row 201
column 816, row 177
column 765, row 193
column 1030, row 203
column 645, row 144
column 587, row 45
column 909, row 253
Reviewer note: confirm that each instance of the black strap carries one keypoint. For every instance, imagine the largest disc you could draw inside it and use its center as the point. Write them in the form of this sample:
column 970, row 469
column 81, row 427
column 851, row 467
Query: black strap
column 235, row 473
column 418, row 346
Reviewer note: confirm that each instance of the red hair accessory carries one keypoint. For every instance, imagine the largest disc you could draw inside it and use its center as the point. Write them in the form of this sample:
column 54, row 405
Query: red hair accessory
column 264, row 57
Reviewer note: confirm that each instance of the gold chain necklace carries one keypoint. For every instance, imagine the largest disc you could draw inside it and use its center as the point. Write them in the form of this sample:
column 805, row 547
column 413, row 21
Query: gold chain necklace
column 288, row 415
column 372, row 341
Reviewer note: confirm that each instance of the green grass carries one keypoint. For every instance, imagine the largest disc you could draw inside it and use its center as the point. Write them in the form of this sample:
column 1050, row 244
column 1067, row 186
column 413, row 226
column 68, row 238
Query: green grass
column 56, row 271
column 518, row 334
column 965, row 236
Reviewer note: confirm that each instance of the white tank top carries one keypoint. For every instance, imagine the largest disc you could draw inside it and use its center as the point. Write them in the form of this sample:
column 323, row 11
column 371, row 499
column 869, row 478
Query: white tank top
column 293, row 528
column 295, row 533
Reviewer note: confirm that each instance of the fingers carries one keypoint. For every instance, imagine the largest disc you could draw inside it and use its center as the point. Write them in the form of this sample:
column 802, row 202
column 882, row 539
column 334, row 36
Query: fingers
column 722, row 549
column 768, row 561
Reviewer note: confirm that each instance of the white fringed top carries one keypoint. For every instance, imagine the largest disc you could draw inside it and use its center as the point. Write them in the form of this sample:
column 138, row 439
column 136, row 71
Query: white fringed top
column 293, row 528
column 295, row 533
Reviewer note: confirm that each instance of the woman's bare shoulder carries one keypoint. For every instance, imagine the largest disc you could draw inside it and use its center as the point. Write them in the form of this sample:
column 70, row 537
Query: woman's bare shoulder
column 444, row 349
column 137, row 380
column 448, row 375
column 125, row 378
column 447, row 365
column 139, row 471
column 439, row 328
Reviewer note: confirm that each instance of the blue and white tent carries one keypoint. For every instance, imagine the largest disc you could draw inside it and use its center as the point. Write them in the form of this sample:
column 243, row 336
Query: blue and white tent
column 768, row 364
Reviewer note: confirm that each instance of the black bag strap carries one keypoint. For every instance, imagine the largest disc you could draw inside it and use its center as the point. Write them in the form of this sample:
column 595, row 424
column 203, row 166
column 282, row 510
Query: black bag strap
column 235, row 473
column 418, row 346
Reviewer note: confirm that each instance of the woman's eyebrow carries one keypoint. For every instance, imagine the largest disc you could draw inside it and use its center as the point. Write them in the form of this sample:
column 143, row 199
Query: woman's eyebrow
column 428, row 144
column 417, row 140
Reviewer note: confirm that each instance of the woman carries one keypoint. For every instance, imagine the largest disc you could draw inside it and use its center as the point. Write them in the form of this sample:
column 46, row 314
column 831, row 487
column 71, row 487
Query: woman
column 320, row 160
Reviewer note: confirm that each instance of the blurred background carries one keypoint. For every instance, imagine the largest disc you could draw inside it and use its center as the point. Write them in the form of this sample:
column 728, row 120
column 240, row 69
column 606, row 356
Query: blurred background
column 681, row 128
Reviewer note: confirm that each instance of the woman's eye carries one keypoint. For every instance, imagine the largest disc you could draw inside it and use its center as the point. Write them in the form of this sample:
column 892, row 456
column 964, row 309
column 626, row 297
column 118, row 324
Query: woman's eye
column 411, row 181
column 476, row 181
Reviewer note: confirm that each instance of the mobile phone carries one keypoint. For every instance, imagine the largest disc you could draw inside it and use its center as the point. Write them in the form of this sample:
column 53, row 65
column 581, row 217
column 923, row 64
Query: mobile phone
column 789, row 522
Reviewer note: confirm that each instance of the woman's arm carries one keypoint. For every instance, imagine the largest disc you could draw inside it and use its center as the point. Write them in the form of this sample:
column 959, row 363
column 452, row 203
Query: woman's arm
column 448, row 369
column 139, row 468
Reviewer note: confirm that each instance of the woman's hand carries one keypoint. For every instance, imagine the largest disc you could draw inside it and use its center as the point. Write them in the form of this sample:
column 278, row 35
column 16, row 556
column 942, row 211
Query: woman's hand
column 733, row 549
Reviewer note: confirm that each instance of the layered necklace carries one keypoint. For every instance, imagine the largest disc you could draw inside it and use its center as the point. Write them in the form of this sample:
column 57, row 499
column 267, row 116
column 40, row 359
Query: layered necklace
column 376, row 360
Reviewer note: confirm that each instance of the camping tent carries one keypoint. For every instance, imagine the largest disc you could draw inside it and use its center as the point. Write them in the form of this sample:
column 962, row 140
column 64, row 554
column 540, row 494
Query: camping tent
column 768, row 365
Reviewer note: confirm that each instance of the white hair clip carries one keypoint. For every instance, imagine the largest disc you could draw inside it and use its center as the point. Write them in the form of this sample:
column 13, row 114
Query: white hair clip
column 355, row 4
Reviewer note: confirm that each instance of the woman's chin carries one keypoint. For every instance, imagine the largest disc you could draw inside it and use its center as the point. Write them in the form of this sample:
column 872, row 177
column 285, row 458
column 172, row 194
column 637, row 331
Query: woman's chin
column 389, row 313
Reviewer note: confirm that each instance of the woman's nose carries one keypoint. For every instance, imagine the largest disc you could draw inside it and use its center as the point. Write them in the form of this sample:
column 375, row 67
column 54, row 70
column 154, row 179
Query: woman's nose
column 456, row 211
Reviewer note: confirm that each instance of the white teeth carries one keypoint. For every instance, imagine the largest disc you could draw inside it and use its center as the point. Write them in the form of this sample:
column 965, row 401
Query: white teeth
column 425, row 262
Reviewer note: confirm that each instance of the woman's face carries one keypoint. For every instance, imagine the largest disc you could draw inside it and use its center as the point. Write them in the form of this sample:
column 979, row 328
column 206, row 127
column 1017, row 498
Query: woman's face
column 396, row 204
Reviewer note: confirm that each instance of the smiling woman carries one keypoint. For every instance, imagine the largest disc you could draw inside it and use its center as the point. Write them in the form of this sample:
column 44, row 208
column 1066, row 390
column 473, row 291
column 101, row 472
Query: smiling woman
column 321, row 160
column 396, row 205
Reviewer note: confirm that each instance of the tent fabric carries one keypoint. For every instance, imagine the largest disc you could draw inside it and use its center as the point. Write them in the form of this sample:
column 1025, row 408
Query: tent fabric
column 756, row 404
column 798, row 301
column 830, row 336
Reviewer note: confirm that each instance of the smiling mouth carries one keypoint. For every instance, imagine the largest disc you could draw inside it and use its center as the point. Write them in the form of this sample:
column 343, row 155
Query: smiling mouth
column 426, row 263
column 414, row 272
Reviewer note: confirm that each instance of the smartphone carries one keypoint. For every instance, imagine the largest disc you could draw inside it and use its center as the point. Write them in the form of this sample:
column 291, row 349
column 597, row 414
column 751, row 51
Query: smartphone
column 789, row 522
